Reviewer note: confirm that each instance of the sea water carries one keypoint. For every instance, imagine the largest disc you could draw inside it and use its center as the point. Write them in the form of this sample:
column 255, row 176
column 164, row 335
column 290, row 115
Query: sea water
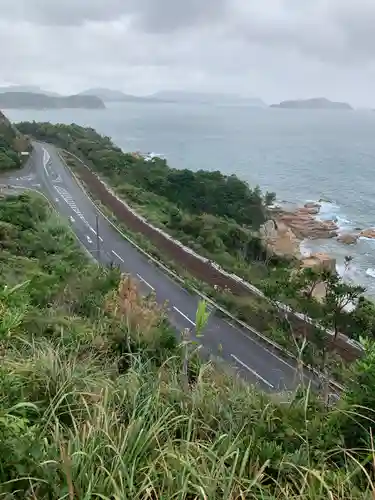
column 301, row 155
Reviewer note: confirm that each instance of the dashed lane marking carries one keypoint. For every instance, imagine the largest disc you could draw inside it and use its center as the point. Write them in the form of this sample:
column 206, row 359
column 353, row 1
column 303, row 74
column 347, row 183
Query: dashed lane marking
column 93, row 231
column 256, row 374
column 146, row 282
column 184, row 315
column 118, row 256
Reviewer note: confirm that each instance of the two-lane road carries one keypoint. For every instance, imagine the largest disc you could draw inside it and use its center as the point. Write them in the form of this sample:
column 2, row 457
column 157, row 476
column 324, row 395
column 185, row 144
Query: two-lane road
column 236, row 346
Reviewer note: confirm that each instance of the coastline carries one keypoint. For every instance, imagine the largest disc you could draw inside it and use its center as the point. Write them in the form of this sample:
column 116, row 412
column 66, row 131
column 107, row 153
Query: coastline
column 346, row 240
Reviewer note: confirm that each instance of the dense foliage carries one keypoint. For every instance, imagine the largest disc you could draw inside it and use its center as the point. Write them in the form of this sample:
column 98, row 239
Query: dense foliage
column 11, row 145
column 93, row 404
column 214, row 213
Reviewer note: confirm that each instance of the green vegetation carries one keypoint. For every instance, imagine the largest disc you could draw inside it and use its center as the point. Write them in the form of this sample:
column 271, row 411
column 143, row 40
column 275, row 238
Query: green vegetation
column 98, row 401
column 12, row 143
column 216, row 215
column 219, row 216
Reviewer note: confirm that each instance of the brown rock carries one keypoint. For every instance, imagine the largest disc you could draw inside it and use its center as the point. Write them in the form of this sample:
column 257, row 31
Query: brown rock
column 348, row 239
column 319, row 261
column 309, row 210
column 368, row 233
column 280, row 239
column 304, row 225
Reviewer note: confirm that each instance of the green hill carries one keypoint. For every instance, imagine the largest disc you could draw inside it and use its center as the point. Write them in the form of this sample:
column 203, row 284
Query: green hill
column 12, row 145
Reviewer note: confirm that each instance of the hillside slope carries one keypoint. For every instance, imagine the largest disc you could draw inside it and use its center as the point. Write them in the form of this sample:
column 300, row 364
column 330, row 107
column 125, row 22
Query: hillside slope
column 94, row 402
column 12, row 145
column 30, row 100
column 109, row 95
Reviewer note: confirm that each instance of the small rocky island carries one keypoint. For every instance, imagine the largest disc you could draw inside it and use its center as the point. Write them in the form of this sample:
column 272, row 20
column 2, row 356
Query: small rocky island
column 315, row 103
column 31, row 100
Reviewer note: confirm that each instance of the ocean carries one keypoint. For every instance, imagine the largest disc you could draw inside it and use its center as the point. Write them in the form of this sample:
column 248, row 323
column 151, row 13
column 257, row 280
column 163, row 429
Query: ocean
column 301, row 155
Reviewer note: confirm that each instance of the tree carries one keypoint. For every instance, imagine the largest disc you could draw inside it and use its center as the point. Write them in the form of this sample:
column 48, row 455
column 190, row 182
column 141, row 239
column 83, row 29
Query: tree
column 6, row 162
column 356, row 420
column 362, row 319
column 269, row 198
column 339, row 296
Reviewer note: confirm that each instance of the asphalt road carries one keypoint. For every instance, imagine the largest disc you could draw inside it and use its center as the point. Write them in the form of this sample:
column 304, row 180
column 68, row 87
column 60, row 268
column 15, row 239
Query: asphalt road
column 240, row 348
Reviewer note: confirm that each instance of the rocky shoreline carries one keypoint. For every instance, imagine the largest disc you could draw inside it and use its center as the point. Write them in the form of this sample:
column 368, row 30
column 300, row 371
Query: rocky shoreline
column 304, row 223
column 286, row 229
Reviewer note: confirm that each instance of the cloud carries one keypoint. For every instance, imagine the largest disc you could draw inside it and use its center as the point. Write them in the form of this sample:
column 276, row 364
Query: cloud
column 149, row 15
column 276, row 49
column 338, row 31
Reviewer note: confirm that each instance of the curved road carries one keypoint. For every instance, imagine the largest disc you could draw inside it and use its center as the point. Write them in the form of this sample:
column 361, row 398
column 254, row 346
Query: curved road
column 251, row 358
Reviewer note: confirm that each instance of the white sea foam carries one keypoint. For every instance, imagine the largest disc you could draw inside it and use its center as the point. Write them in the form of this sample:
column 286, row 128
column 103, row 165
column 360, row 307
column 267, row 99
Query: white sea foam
column 371, row 272
column 332, row 211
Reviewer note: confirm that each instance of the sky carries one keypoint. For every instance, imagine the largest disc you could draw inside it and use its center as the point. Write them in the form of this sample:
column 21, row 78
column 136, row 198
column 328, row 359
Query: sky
column 273, row 49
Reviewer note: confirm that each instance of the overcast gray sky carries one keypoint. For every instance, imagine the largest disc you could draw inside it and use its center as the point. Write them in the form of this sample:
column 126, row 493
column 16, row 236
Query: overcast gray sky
column 274, row 49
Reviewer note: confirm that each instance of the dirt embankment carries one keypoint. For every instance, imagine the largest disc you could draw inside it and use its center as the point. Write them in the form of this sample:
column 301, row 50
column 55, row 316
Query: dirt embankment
column 192, row 264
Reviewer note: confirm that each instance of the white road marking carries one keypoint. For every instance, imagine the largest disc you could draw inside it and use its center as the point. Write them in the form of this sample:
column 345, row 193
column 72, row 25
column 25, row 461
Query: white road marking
column 259, row 344
column 256, row 374
column 46, row 158
column 36, row 185
column 93, row 231
column 184, row 315
column 71, row 203
column 88, row 239
column 118, row 256
column 145, row 282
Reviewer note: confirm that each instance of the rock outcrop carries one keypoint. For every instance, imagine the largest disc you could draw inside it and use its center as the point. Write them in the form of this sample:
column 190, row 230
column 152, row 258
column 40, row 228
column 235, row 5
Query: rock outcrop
column 285, row 231
column 368, row 233
column 280, row 239
column 304, row 225
column 348, row 239
column 319, row 261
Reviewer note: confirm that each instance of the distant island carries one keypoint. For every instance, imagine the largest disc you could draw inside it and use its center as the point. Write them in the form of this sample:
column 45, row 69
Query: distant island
column 315, row 103
column 109, row 95
column 34, row 89
column 175, row 96
column 34, row 97
column 31, row 100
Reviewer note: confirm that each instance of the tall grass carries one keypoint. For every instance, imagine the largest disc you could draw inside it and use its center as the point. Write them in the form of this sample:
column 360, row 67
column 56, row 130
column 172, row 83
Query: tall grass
column 93, row 404
column 89, row 432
